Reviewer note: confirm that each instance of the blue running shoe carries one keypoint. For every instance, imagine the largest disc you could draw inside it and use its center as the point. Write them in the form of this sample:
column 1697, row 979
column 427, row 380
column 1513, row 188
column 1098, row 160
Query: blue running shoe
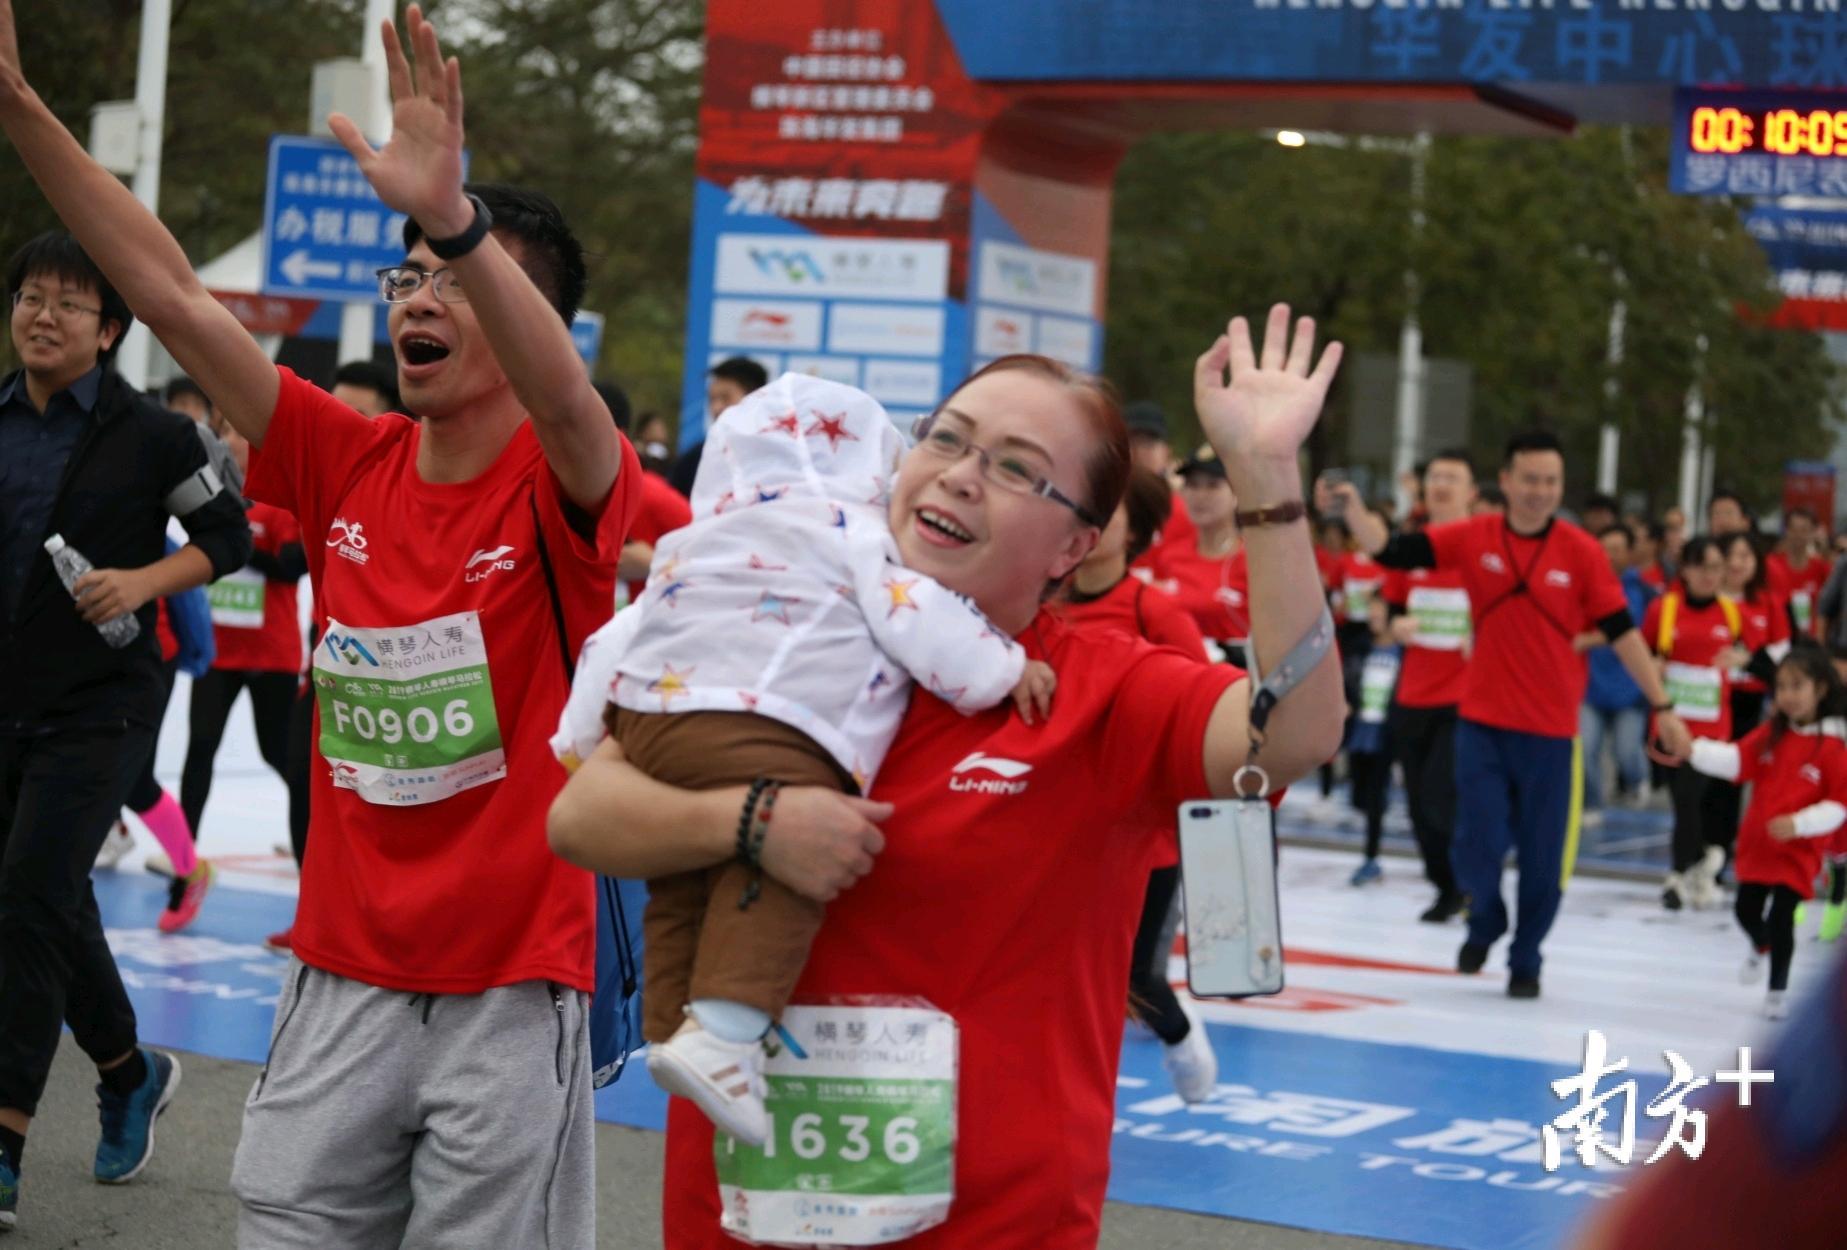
column 128, row 1123
column 1367, row 873
column 9, row 1196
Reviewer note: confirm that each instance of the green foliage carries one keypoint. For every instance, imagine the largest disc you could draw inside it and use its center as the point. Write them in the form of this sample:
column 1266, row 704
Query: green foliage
column 1518, row 266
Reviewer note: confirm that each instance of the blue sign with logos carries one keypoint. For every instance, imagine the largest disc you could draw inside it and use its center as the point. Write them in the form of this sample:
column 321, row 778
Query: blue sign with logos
column 325, row 231
column 1806, row 248
column 587, row 336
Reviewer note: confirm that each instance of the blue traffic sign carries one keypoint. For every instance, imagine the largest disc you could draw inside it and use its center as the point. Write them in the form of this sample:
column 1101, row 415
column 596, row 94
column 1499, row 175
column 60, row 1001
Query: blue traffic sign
column 325, row 231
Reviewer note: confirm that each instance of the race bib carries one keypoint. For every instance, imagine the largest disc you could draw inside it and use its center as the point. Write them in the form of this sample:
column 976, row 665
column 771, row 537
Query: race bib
column 407, row 712
column 1802, row 605
column 1358, row 598
column 1695, row 691
column 861, row 1149
column 1377, row 681
column 1442, row 617
column 237, row 600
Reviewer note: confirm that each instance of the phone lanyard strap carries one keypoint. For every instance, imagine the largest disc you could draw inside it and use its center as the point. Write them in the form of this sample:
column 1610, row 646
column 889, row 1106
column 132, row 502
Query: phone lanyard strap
column 1308, row 652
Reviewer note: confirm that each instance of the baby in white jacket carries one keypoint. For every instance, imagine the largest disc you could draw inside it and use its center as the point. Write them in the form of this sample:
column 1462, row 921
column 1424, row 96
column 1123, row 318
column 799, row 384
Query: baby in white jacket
column 777, row 641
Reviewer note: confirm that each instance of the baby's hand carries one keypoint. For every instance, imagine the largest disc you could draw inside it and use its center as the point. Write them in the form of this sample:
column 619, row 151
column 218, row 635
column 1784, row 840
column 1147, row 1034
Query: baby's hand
column 1035, row 690
column 1782, row 828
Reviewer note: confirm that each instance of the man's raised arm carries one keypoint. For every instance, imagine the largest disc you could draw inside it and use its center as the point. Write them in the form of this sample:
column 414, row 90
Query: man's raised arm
column 135, row 252
column 420, row 173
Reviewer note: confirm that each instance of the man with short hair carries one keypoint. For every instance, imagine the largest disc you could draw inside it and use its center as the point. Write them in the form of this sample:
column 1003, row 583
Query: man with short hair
column 428, row 1082
column 366, row 387
column 1429, row 613
column 1598, row 513
column 1796, row 570
column 1535, row 584
column 727, row 382
column 1727, row 515
column 85, row 457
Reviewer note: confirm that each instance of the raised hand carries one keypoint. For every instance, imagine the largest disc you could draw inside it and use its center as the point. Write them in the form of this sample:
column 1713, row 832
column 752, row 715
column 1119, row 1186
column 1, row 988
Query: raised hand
column 12, row 75
column 1267, row 407
column 419, row 172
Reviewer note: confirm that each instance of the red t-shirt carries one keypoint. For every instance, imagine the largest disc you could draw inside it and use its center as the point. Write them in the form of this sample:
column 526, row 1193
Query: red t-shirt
column 274, row 645
column 1012, row 907
column 168, row 641
column 1178, row 531
column 1802, row 770
column 1436, row 664
column 1799, row 588
column 1216, row 592
column 1357, row 581
column 1329, row 564
column 1766, row 616
column 1530, row 596
column 463, row 894
column 1699, row 635
column 661, row 510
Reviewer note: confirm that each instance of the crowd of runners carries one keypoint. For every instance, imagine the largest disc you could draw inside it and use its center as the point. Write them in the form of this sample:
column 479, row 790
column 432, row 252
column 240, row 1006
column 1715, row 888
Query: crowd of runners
column 813, row 675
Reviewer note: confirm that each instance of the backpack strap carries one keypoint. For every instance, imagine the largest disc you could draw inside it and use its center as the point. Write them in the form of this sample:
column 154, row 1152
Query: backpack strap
column 1734, row 619
column 551, row 589
column 1664, row 635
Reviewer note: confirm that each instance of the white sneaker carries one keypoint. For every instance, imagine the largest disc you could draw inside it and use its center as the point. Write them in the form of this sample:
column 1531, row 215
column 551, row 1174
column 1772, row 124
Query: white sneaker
column 1190, row 1062
column 1702, row 880
column 723, row 1079
column 1776, row 1005
column 1751, row 971
column 118, row 844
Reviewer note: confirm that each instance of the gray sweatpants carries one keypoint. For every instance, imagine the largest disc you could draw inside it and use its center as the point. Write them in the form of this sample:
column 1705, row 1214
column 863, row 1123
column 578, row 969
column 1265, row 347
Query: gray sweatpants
column 387, row 1119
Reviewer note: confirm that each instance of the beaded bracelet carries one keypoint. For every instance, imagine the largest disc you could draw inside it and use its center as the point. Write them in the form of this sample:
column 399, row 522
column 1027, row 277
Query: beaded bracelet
column 753, row 828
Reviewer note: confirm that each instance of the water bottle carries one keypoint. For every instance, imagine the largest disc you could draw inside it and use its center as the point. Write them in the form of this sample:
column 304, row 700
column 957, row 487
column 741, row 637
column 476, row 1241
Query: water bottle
column 117, row 631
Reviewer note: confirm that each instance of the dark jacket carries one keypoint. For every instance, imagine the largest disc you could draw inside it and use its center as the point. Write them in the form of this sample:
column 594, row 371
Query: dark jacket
column 111, row 507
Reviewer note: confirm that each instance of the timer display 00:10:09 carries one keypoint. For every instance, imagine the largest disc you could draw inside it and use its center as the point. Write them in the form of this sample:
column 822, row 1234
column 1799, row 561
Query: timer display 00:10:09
column 1782, row 132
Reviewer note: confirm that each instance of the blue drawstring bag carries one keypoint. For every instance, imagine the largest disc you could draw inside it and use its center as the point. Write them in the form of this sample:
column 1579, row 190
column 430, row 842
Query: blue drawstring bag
column 189, row 614
column 615, row 1009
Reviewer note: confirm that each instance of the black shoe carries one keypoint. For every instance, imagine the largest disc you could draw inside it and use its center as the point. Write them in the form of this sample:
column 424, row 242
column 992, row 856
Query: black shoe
column 1471, row 957
column 1523, row 987
column 1444, row 909
column 1670, row 898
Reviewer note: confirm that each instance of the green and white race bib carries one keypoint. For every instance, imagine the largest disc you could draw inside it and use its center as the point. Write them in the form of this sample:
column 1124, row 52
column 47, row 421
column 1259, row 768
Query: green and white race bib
column 1377, row 681
column 1802, row 604
column 407, row 712
column 1357, row 598
column 1442, row 616
column 862, row 1132
column 1695, row 691
column 237, row 600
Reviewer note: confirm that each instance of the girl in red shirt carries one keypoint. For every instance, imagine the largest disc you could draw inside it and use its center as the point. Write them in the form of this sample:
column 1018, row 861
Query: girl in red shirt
column 1010, row 859
column 1103, row 597
column 1699, row 636
column 1208, row 577
column 1766, row 615
column 1798, row 776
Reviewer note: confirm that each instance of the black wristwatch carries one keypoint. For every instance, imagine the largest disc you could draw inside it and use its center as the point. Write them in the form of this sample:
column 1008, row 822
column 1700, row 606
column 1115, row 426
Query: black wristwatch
column 467, row 241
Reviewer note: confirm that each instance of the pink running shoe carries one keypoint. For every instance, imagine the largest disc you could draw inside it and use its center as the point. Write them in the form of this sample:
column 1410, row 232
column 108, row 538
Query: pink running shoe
column 188, row 895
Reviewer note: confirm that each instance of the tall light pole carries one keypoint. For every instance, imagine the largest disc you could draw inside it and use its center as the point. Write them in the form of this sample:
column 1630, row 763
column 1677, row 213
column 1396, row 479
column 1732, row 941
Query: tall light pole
column 357, row 319
column 1408, row 420
column 151, row 107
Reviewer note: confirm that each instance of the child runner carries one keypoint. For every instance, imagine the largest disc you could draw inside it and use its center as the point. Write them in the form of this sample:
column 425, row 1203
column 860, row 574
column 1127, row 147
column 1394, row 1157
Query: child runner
column 776, row 644
column 1799, row 798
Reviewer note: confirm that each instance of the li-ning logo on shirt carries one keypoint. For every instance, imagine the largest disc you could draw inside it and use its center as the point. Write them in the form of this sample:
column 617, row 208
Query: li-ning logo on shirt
column 490, row 559
column 1492, row 561
column 1557, row 577
column 1006, row 778
column 349, row 539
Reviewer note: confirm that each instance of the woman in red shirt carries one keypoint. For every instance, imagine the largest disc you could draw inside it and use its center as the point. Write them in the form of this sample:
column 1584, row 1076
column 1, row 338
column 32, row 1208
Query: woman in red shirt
column 1209, row 576
column 1699, row 636
column 1766, row 616
column 1009, row 869
column 1103, row 597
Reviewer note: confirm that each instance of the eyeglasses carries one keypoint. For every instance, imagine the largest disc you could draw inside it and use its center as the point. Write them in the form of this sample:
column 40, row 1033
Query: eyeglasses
column 63, row 309
column 400, row 283
column 1004, row 469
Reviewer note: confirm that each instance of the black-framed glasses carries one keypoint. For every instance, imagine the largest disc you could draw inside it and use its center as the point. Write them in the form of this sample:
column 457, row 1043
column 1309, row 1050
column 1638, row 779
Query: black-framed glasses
column 399, row 284
column 63, row 309
column 1006, row 470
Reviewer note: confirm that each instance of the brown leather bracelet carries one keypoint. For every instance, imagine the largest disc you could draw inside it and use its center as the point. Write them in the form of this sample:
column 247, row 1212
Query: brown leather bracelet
column 1275, row 514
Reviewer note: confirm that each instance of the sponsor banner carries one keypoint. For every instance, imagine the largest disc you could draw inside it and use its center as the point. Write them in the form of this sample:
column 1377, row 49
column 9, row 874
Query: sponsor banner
column 912, row 382
column 769, row 264
column 1003, row 331
column 1030, row 278
column 842, row 369
column 885, row 329
column 787, row 324
column 1070, row 341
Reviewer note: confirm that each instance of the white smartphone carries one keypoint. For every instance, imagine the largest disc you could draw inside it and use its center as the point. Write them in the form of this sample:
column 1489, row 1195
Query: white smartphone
column 1234, row 935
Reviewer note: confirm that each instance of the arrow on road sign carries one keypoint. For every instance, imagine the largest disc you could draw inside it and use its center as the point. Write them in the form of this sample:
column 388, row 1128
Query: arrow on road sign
column 298, row 268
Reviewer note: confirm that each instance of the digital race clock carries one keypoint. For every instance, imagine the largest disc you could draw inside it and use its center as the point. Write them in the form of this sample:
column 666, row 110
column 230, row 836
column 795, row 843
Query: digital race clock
column 1760, row 143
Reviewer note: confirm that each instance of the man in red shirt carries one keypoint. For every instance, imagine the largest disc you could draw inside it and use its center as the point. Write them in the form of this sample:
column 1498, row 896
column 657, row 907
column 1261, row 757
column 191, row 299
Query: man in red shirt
column 1534, row 583
column 1797, row 571
column 428, row 1081
column 1429, row 610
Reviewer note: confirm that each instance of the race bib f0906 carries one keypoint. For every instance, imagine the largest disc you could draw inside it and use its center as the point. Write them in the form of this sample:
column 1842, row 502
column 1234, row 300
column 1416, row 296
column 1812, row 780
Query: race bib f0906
column 407, row 712
column 861, row 1149
column 237, row 600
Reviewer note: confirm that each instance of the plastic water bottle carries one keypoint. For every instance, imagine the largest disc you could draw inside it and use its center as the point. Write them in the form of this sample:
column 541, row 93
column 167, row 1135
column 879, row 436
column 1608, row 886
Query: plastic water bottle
column 117, row 631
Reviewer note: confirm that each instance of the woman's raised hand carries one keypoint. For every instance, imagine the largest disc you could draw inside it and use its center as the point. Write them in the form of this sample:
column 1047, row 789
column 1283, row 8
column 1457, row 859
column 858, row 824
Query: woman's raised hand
column 419, row 171
column 1255, row 407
